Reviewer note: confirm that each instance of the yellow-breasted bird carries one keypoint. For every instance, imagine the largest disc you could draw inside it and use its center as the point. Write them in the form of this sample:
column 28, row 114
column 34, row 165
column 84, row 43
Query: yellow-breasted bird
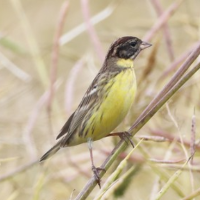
column 107, row 100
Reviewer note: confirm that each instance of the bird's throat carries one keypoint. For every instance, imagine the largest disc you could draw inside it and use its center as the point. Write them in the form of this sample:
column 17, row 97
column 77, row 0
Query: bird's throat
column 125, row 63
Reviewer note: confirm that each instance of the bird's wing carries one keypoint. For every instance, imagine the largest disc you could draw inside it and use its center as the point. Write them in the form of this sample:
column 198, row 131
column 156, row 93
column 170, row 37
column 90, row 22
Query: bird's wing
column 65, row 127
column 86, row 105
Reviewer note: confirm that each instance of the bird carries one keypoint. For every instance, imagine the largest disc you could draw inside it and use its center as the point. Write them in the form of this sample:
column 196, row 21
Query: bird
column 106, row 101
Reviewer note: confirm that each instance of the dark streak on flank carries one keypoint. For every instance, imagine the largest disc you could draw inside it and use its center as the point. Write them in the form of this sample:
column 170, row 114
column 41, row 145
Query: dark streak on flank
column 86, row 132
column 93, row 129
column 101, row 116
column 92, row 125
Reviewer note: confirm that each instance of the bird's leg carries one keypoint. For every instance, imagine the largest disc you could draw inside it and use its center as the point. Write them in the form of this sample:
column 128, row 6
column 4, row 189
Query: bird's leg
column 123, row 135
column 94, row 169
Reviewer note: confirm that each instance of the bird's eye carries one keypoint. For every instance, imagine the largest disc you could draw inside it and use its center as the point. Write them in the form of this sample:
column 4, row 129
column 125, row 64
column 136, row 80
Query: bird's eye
column 133, row 43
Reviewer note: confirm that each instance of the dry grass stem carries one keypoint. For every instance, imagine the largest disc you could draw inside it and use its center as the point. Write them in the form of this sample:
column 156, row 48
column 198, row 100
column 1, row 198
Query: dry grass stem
column 166, row 31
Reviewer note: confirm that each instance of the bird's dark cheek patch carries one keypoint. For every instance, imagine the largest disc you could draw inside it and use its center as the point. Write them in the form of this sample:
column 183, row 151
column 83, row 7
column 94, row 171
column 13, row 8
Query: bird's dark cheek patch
column 121, row 53
column 126, row 52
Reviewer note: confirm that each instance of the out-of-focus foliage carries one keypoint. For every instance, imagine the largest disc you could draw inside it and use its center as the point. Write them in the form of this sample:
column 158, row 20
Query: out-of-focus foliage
column 29, row 121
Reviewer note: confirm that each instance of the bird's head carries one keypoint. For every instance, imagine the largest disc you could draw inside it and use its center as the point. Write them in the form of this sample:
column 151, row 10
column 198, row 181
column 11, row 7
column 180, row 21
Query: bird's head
column 127, row 47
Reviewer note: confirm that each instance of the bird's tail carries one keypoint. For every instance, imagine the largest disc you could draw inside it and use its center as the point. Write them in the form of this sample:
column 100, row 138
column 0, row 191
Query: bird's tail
column 51, row 151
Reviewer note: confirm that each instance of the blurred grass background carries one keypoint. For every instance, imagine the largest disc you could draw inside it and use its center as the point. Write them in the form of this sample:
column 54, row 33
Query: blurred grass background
column 30, row 121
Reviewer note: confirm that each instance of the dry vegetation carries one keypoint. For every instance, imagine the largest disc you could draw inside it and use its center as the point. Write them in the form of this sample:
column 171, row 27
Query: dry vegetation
column 49, row 53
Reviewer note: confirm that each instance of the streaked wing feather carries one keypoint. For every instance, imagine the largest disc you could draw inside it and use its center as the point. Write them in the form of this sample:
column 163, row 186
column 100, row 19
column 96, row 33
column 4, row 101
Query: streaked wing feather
column 65, row 127
column 84, row 107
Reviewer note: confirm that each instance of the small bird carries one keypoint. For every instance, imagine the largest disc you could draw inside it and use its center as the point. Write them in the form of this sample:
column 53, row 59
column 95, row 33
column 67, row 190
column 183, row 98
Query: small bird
column 106, row 102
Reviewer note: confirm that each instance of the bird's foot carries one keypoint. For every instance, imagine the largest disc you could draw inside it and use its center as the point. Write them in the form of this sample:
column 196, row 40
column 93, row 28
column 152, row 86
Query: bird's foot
column 126, row 136
column 96, row 171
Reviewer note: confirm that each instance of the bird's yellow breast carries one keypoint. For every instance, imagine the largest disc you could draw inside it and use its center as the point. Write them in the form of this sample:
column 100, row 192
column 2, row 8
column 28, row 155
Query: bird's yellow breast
column 117, row 101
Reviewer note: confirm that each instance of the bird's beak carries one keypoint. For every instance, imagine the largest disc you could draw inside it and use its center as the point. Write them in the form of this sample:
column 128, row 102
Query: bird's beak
column 145, row 45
